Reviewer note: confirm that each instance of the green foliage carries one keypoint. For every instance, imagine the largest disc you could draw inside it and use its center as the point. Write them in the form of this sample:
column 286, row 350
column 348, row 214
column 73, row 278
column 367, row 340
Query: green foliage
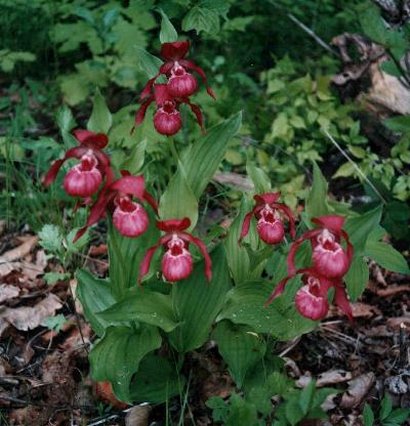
column 386, row 416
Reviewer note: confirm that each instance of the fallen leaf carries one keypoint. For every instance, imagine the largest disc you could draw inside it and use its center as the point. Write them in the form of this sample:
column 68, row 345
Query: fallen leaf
column 103, row 390
column 358, row 389
column 27, row 318
column 8, row 292
column 138, row 415
column 392, row 290
column 333, row 377
column 363, row 310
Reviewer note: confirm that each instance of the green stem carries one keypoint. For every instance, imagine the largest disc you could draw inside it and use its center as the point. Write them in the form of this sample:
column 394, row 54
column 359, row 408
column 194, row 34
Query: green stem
column 174, row 151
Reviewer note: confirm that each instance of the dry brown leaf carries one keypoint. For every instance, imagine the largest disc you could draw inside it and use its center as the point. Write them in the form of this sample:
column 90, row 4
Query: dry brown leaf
column 138, row 415
column 27, row 317
column 234, row 179
column 363, row 310
column 396, row 323
column 358, row 389
column 8, row 292
column 392, row 290
column 332, row 377
column 8, row 261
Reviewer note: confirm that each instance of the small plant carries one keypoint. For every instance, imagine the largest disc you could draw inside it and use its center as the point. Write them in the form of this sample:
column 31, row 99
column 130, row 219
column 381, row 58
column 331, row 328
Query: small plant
column 386, row 415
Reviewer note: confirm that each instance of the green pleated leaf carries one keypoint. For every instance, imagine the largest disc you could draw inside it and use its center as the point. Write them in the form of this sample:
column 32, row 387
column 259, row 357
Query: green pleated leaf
column 359, row 228
column 117, row 355
column 240, row 347
column 259, row 178
column 316, row 204
column 156, row 381
column 101, row 119
column 357, row 278
column 201, row 159
column 387, row 256
column 168, row 33
column 178, row 201
column 95, row 295
column 245, row 305
column 126, row 254
column 143, row 305
column 197, row 302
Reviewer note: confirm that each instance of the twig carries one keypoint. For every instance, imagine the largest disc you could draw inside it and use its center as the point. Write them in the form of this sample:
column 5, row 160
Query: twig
column 355, row 166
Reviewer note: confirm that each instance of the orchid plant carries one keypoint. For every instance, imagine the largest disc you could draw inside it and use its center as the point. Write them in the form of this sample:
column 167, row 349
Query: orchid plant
column 169, row 285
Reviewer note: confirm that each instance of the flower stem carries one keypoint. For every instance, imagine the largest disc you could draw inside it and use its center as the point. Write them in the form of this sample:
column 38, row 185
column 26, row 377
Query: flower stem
column 174, row 151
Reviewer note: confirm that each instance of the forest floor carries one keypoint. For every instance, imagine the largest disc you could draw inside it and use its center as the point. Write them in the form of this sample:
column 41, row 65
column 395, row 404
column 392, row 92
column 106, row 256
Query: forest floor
column 44, row 343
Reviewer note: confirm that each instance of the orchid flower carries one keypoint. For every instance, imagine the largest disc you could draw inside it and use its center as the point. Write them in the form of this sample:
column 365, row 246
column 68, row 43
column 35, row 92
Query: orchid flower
column 177, row 263
column 329, row 257
column 269, row 222
column 181, row 83
column 311, row 299
column 84, row 179
column 167, row 119
column 129, row 217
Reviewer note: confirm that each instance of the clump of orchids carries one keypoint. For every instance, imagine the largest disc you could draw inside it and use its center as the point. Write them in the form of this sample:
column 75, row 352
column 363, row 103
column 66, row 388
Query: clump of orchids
column 93, row 181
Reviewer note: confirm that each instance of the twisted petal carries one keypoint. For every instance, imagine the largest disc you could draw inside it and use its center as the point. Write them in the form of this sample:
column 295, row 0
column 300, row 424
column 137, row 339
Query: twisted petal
column 146, row 261
column 267, row 198
column 288, row 212
column 294, row 248
column 342, row 301
column 202, row 248
column 132, row 185
column 146, row 91
column 197, row 111
column 332, row 222
column 90, row 139
column 140, row 115
column 246, row 225
column 192, row 66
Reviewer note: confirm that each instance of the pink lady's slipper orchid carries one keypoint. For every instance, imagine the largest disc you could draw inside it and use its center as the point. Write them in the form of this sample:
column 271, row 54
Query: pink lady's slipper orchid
column 128, row 216
column 330, row 259
column 177, row 263
column 167, row 119
column 269, row 222
column 181, row 84
column 311, row 300
column 84, row 179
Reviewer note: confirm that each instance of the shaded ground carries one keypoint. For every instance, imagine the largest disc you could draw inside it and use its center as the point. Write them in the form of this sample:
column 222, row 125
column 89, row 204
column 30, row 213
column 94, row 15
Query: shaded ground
column 44, row 372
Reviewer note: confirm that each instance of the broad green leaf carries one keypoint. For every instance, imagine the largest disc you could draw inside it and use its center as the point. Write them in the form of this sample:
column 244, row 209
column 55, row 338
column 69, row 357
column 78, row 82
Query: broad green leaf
column 245, row 305
column 360, row 227
column 201, row 19
column 316, row 204
column 168, row 33
column 197, row 302
column 397, row 417
column 117, row 355
column 240, row 347
column 387, row 256
column 372, row 23
column 259, row 178
column 75, row 88
column 201, row 159
column 294, row 413
column 357, row 278
column 142, row 305
column 135, row 160
column 385, row 407
column 178, row 200
column 156, row 381
column 148, row 63
column 66, row 123
column 101, row 119
column 241, row 412
column 398, row 124
column 368, row 415
column 95, row 296
column 306, row 397
column 126, row 254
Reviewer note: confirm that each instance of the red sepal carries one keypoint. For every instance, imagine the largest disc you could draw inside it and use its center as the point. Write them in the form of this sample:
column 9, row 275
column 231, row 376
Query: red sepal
column 332, row 222
column 174, row 225
column 174, row 51
column 267, row 197
column 202, row 248
column 146, row 261
column 90, row 139
column 197, row 111
column 246, row 225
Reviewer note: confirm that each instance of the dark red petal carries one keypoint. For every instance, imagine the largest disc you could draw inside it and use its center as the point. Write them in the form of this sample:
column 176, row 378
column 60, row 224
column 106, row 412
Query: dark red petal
column 151, row 201
column 267, row 197
column 103, row 159
column 245, row 226
column 51, row 175
column 146, row 91
column 295, row 246
column 192, row 66
column 146, row 261
column 166, row 68
column 174, row 225
column 278, row 291
column 342, row 301
column 90, row 139
column 161, row 94
column 202, row 248
column 197, row 111
column 132, row 185
column 332, row 222
column 97, row 211
column 174, row 51
column 140, row 115
column 288, row 212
